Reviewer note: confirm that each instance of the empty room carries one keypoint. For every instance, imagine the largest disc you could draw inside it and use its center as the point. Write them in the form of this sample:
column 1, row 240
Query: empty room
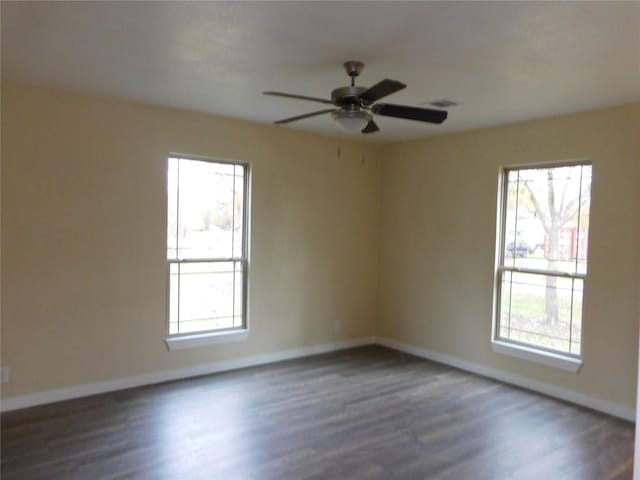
column 319, row 240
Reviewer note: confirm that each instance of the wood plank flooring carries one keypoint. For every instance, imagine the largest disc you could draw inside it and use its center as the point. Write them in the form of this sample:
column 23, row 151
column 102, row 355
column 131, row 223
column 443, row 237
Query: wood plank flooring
column 364, row 413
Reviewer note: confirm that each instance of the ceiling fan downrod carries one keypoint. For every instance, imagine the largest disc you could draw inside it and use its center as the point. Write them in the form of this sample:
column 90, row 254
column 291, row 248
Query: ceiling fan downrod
column 353, row 68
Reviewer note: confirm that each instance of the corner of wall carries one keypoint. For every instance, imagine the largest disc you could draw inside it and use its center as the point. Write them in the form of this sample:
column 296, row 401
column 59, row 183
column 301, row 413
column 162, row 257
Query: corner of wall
column 377, row 319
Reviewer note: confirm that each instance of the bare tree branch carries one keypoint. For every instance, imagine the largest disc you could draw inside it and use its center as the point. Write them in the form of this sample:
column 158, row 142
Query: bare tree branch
column 562, row 210
column 569, row 211
column 543, row 218
column 563, row 221
column 551, row 196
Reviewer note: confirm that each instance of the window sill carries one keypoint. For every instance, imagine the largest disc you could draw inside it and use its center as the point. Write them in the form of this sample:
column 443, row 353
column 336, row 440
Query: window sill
column 562, row 362
column 205, row 339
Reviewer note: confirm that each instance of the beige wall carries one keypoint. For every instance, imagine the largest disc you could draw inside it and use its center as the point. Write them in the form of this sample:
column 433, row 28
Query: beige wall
column 438, row 227
column 84, row 236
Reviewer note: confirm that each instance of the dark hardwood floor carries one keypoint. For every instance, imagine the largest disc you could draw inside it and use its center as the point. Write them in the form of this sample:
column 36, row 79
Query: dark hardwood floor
column 365, row 413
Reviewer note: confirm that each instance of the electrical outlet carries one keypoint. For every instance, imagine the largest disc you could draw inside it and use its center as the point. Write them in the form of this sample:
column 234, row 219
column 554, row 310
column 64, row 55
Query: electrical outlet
column 4, row 374
column 337, row 326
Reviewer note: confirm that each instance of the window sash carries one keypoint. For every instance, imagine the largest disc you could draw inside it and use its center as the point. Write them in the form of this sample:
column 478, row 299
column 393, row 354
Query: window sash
column 244, row 268
column 245, row 206
column 498, row 316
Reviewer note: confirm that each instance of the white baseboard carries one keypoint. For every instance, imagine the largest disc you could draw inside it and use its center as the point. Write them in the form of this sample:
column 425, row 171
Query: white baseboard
column 85, row 390
column 604, row 406
column 78, row 391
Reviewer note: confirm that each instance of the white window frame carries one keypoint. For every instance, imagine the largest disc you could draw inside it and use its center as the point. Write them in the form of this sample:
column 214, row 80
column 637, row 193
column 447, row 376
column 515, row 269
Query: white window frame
column 534, row 353
column 221, row 335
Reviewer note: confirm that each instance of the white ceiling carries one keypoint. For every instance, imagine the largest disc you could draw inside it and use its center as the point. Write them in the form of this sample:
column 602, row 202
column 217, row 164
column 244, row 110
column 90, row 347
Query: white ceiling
column 504, row 62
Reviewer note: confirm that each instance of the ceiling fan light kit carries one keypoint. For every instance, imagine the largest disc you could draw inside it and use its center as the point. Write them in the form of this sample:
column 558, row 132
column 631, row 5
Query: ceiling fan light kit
column 355, row 104
column 352, row 120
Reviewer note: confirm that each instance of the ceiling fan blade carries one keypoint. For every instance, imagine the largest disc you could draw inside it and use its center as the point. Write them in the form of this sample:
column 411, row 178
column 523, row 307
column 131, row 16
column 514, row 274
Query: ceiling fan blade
column 410, row 113
column 299, row 97
column 381, row 89
column 306, row 115
column 371, row 127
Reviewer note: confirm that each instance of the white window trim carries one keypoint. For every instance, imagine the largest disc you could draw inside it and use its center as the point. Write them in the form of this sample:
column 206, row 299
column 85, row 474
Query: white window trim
column 566, row 362
column 206, row 339
column 532, row 354
column 238, row 334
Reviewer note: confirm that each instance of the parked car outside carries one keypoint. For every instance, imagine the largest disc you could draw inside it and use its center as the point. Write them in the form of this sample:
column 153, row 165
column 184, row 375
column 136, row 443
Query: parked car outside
column 519, row 248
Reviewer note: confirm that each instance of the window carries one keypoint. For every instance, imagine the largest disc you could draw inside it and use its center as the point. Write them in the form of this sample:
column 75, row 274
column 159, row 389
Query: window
column 207, row 246
column 542, row 262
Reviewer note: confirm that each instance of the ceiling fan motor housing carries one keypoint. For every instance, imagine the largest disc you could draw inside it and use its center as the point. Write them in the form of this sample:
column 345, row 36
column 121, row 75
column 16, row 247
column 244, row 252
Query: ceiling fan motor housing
column 344, row 96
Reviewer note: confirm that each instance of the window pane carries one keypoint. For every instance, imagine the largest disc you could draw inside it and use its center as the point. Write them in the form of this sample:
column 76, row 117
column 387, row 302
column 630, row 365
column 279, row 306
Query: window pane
column 576, row 324
column 238, row 211
column 174, row 272
column 582, row 233
column 510, row 220
column 547, row 218
column 206, row 296
column 172, row 208
column 542, row 310
column 205, row 199
column 505, row 305
column 238, row 294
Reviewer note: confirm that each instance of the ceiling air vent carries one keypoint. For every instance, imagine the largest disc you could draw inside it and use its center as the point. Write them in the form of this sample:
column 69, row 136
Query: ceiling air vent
column 444, row 103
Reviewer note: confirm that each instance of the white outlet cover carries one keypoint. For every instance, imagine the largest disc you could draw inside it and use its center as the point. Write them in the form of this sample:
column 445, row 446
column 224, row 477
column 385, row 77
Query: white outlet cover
column 4, row 374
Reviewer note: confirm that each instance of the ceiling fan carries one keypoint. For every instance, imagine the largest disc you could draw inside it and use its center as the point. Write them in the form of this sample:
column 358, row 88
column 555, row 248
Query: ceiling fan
column 355, row 105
